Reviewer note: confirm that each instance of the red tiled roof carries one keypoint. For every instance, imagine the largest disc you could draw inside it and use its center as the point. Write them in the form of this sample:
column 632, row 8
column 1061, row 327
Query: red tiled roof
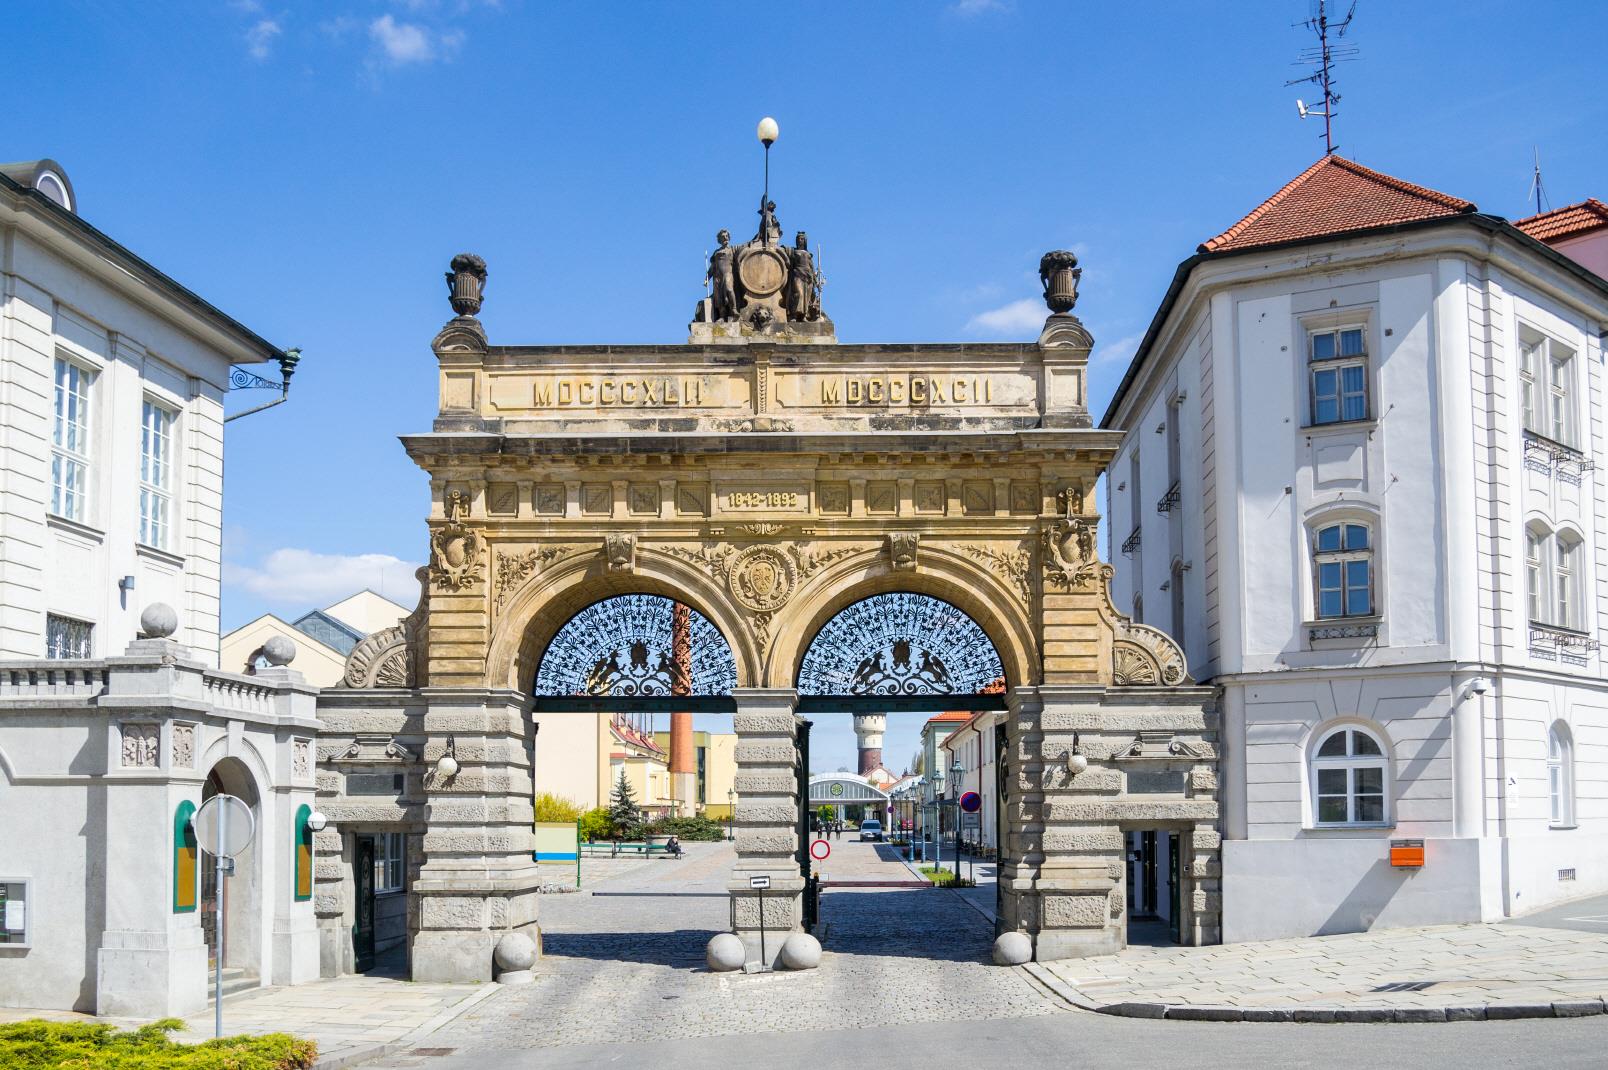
column 952, row 715
column 1567, row 222
column 1334, row 196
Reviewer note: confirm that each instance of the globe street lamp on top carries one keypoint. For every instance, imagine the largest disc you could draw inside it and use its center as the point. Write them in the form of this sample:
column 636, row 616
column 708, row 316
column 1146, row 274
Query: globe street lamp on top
column 767, row 131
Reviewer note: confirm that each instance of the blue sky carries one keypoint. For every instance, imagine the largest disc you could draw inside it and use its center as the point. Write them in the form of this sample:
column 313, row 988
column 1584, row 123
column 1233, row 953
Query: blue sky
column 310, row 168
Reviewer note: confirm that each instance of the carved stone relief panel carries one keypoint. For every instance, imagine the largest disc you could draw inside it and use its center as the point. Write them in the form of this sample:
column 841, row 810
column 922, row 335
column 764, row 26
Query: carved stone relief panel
column 140, row 745
column 301, row 759
column 977, row 497
column 643, row 499
column 832, row 498
column 1014, row 566
column 502, row 499
column 692, row 499
column 1024, row 498
column 597, row 499
column 882, row 497
column 929, row 496
column 550, row 499
column 184, row 745
column 516, row 567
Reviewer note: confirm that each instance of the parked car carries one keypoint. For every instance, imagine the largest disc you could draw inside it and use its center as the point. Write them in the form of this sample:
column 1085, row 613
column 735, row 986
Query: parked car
column 870, row 830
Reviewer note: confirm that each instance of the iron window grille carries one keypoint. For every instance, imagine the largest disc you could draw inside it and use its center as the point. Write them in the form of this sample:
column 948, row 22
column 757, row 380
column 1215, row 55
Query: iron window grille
column 1131, row 543
column 68, row 639
column 1169, row 501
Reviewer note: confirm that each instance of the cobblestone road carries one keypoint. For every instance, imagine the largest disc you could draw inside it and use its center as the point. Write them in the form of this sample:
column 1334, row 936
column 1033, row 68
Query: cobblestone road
column 626, row 965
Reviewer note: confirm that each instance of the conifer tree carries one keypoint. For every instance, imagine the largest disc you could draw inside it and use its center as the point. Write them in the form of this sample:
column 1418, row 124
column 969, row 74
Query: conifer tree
column 625, row 819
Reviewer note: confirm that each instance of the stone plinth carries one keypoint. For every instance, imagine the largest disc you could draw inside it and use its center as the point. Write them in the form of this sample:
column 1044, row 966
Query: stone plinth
column 767, row 822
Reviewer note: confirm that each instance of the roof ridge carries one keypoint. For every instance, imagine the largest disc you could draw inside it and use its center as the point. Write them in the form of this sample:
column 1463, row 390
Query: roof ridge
column 1262, row 209
column 1406, row 187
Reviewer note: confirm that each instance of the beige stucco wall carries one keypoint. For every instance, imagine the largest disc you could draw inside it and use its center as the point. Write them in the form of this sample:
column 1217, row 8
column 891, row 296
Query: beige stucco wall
column 320, row 665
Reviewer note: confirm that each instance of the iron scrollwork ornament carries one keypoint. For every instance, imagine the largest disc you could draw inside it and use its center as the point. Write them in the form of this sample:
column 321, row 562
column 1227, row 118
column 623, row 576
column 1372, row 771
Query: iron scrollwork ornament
column 900, row 644
column 625, row 646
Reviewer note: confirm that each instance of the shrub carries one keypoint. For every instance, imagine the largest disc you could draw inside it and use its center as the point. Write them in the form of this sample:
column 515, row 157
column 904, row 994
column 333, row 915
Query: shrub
column 550, row 807
column 594, row 824
column 36, row 1044
column 691, row 829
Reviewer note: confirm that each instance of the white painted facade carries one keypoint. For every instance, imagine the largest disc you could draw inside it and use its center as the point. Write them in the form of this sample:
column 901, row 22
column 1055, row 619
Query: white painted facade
column 82, row 316
column 1215, row 506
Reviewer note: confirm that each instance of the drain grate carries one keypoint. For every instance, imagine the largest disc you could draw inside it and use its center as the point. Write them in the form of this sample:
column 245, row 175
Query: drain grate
column 1407, row 986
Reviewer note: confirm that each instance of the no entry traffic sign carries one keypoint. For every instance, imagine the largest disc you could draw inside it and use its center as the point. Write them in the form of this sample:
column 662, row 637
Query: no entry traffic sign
column 971, row 802
column 819, row 850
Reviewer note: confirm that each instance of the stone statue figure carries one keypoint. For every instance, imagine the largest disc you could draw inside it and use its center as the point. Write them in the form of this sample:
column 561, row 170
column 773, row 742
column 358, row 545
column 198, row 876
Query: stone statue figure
column 800, row 296
column 770, row 231
column 724, row 292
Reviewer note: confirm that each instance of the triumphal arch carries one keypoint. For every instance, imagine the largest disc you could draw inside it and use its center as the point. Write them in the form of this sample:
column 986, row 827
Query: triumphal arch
column 770, row 480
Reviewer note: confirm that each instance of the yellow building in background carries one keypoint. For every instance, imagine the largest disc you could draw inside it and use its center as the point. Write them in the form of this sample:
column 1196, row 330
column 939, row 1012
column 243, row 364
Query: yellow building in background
column 717, row 771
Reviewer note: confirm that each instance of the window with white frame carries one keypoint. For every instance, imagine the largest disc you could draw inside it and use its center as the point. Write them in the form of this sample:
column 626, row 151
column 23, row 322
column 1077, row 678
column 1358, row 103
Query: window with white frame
column 1342, row 570
column 1338, row 367
column 68, row 638
column 69, row 441
column 1560, row 775
column 1553, row 562
column 1349, row 778
column 1546, row 386
column 156, row 475
column 390, row 861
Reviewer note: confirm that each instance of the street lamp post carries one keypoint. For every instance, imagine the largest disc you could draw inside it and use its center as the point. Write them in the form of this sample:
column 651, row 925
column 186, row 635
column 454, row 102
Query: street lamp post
column 959, row 772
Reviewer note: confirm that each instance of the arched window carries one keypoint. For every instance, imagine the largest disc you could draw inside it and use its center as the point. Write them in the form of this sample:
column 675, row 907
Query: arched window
column 1560, row 775
column 1342, row 570
column 1349, row 778
column 1553, row 563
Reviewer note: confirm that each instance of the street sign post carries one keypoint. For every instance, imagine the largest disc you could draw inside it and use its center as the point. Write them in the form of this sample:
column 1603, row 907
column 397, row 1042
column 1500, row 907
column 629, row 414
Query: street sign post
column 819, row 850
column 759, row 884
column 223, row 826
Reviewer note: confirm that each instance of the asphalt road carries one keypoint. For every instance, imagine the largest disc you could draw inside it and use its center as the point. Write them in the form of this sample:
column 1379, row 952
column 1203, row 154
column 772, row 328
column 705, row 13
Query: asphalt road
column 1586, row 915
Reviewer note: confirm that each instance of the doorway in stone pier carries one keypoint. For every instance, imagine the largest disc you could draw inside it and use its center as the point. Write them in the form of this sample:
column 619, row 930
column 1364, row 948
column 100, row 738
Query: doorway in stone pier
column 1155, row 878
column 231, row 914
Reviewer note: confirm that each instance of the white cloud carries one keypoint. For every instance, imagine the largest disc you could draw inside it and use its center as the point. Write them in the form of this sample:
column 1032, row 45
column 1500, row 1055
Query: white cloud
column 305, row 579
column 1119, row 352
column 406, row 42
column 260, row 38
column 1017, row 318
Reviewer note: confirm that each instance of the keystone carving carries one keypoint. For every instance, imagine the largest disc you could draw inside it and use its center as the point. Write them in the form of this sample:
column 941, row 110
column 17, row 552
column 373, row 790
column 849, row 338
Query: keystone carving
column 761, row 578
column 620, row 552
column 902, row 550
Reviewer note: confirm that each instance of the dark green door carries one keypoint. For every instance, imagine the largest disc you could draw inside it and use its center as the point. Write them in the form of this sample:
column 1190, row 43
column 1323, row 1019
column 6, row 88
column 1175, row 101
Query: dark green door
column 363, row 930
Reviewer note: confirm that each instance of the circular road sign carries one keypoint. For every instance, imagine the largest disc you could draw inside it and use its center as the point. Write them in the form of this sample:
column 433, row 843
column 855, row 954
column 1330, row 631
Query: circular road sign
column 224, row 826
column 971, row 802
column 819, row 850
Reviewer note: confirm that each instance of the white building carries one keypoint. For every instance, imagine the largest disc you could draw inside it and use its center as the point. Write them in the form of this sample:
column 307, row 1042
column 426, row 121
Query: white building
column 112, row 378
column 1363, row 485
column 114, row 724
column 323, row 637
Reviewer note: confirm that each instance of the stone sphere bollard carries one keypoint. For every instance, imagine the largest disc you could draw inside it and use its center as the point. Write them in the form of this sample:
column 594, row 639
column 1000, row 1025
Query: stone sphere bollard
column 801, row 951
column 725, row 953
column 515, row 955
column 279, row 650
column 158, row 621
column 1012, row 949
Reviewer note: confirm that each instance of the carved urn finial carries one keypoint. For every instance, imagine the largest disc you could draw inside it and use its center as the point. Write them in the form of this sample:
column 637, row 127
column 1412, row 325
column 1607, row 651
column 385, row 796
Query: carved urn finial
column 466, row 283
column 1059, row 272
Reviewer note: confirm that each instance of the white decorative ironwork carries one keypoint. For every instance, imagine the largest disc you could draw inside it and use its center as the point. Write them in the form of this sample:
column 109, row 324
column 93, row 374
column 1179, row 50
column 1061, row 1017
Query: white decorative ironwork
column 901, row 644
column 621, row 646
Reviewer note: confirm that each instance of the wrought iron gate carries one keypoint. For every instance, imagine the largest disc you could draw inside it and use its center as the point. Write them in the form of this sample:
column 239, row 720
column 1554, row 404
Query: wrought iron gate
column 812, row 887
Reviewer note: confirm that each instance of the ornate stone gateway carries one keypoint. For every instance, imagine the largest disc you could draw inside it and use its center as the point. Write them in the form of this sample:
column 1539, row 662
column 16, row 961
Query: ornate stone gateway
column 862, row 527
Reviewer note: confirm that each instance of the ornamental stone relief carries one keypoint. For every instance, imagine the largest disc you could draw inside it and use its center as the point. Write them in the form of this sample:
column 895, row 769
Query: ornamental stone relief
column 761, row 578
column 1012, row 566
column 140, row 745
column 184, row 746
column 515, row 568
column 1142, row 656
column 1070, row 553
column 301, row 762
column 455, row 548
column 391, row 657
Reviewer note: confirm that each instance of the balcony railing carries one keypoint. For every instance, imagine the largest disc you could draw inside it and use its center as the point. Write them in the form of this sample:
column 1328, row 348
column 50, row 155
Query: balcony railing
column 1561, row 644
column 1131, row 543
column 1169, row 500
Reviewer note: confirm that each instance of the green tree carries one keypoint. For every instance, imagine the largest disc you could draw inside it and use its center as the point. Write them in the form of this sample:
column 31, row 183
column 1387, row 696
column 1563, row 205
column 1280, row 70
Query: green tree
column 625, row 817
column 594, row 824
column 828, row 813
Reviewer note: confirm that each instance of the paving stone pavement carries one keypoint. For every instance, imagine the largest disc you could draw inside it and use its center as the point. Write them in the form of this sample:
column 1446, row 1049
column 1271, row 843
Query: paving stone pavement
column 1446, row 966
column 627, row 966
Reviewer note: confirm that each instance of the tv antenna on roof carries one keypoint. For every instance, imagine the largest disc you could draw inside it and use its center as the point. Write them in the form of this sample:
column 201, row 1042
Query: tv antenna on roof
column 1536, row 189
column 1324, row 57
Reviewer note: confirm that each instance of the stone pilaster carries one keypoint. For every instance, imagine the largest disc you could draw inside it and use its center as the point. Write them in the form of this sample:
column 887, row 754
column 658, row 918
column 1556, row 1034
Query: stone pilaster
column 479, row 878
column 767, row 821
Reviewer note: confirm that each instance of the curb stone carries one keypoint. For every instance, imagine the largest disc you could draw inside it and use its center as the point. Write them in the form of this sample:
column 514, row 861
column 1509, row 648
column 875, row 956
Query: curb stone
column 1465, row 1014
column 1577, row 1008
column 1205, row 1013
column 1135, row 1010
column 1269, row 1014
column 1420, row 1014
column 1495, row 1012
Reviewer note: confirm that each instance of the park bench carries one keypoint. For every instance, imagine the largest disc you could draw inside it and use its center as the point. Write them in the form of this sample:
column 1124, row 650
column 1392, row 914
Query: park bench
column 614, row 849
